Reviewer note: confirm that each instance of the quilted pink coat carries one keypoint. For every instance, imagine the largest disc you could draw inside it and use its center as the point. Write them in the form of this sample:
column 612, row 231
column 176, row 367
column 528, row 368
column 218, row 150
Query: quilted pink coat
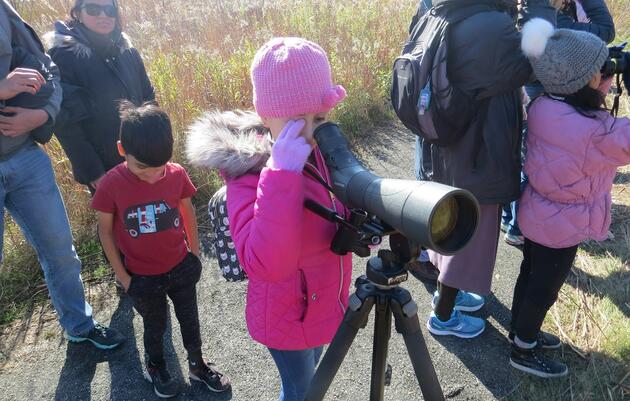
column 571, row 163
column 298, row 289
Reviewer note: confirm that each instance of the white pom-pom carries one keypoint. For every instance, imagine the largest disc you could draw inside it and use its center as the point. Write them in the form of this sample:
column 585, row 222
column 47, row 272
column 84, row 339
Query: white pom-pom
column 535, row 35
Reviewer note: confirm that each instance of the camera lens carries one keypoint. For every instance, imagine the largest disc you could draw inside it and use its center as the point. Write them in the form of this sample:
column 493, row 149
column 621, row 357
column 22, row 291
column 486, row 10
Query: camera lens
column 444, row 219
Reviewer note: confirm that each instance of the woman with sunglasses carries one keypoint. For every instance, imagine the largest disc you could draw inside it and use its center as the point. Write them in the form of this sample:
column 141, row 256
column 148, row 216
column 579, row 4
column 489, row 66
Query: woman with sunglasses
column 99, row 67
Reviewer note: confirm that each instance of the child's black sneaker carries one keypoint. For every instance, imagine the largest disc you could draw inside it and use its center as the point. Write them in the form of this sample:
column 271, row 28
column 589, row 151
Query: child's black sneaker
column 164, row 385
column 543, row 340
column 531, row 361
column 209, row 375
column 102, row 337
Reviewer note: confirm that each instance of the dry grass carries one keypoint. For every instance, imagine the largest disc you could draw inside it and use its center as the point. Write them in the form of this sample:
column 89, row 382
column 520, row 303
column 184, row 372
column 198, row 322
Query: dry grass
column 198, row 58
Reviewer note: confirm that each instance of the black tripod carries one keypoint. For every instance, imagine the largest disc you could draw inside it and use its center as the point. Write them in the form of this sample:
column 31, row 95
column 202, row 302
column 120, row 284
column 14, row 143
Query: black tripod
column 380, row 289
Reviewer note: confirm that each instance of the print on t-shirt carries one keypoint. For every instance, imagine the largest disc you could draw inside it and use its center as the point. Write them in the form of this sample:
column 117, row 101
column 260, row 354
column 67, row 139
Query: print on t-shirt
column 151, row 218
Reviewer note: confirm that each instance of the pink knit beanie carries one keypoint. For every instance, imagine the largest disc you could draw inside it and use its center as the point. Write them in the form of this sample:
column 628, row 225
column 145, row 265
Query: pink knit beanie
column 291, row 76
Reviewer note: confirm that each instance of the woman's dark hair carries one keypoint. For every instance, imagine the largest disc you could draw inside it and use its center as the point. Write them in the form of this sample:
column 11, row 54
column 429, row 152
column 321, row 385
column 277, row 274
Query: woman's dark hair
column 78, row 4
column 587, row 100
column 146, row 133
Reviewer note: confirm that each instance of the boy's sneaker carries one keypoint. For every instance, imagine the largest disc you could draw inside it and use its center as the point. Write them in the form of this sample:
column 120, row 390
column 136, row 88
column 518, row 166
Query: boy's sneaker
column 102, row 337
column 465, row 301
column 209, row 375
column 531, row 361
column 164, row 385
column 459, row 325
column 543, row 340
column 514, row 240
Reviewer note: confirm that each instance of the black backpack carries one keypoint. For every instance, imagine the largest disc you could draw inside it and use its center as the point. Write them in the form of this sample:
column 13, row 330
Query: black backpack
column 422, row 95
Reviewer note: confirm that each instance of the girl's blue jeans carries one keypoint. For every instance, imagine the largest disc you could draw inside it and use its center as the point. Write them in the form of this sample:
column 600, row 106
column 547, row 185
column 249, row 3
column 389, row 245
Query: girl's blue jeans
column 296, row 371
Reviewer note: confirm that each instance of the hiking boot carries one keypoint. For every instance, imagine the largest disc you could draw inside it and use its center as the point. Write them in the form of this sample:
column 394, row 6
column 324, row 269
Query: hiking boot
column 543, row 340
column 531, row 361
column 464, row 301
column 423, row 271
column 102, row 337
column 164, row 385
column 209, row 375
column 514, row 240
column 459, row 325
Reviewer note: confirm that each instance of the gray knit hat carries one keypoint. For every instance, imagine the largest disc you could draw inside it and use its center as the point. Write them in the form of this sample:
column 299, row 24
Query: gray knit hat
column 563, row 60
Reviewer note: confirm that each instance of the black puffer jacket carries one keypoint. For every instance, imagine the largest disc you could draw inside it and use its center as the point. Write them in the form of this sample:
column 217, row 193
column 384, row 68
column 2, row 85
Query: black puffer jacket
column 600, row 21
column 486, row 61
column 94, row 79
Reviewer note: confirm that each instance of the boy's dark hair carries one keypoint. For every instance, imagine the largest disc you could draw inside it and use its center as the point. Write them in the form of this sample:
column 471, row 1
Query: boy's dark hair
column 587, row 100
column 146, row 133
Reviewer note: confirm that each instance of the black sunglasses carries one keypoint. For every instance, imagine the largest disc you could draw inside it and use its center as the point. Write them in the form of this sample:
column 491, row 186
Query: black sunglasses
column 94, row 10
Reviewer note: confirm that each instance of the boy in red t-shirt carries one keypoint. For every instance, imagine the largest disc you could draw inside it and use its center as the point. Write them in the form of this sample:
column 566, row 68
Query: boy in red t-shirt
column 145, row 214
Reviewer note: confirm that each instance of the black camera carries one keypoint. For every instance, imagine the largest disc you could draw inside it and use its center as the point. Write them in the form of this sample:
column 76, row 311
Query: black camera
column 618, row 62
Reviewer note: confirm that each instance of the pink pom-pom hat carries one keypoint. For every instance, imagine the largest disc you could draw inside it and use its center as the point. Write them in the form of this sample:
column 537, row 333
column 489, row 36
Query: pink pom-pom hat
column 291, row 77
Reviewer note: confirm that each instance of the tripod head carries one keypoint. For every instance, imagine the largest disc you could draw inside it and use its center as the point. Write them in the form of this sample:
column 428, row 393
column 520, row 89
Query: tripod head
column 358, row 234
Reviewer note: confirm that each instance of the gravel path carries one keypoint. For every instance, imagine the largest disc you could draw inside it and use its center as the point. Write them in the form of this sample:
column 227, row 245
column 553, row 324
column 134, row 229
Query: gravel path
column 36, row 363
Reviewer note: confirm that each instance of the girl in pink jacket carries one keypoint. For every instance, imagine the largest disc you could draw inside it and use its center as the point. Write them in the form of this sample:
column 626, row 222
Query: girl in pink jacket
column 298, row 288
column 574, row 147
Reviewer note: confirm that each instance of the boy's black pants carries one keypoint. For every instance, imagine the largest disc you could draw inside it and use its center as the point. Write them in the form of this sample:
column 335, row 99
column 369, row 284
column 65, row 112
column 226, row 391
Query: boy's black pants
column 543, row 271
column 149, row 299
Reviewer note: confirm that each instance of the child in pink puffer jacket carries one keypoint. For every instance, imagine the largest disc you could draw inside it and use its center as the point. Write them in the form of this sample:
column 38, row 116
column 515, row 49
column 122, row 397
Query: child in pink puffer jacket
column 574, row 147
column 298, row 288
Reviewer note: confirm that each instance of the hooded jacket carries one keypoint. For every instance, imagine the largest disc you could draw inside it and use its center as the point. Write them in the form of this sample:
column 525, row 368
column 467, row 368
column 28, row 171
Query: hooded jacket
column 485, row 60
column 298, row 288
column 571, row 163
column 94, row 80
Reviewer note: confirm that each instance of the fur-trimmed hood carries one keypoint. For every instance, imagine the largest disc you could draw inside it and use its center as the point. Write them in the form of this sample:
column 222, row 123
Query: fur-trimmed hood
column 235, row 143
column 70, row 36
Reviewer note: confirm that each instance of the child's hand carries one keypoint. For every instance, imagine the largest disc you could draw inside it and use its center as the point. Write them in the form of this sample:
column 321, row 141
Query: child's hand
column 291, row 150
column 125, row 281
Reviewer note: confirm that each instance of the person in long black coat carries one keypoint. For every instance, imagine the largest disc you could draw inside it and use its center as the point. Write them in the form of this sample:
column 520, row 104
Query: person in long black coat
column 99, row 67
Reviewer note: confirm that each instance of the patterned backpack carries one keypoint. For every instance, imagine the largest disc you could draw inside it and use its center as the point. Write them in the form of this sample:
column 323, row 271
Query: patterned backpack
column 222, row 240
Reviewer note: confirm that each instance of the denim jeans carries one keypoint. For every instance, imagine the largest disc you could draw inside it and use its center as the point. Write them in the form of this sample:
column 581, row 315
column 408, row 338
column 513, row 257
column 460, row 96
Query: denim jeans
column 296, row 371
column 29, row 192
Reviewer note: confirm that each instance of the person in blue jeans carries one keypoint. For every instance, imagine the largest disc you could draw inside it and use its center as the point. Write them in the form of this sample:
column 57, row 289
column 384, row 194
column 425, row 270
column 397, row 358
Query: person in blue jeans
column 292, row 365
column 27, row 183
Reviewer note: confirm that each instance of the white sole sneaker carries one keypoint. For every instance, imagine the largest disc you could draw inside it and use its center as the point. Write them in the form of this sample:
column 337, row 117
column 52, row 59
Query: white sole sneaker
column 438, row 332
column 195, row 378
column 537, row 372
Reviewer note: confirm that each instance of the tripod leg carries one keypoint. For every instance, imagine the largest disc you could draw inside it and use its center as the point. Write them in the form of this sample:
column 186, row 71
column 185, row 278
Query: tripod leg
column 355, row 318
column 382, row 333
column 407, row 324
